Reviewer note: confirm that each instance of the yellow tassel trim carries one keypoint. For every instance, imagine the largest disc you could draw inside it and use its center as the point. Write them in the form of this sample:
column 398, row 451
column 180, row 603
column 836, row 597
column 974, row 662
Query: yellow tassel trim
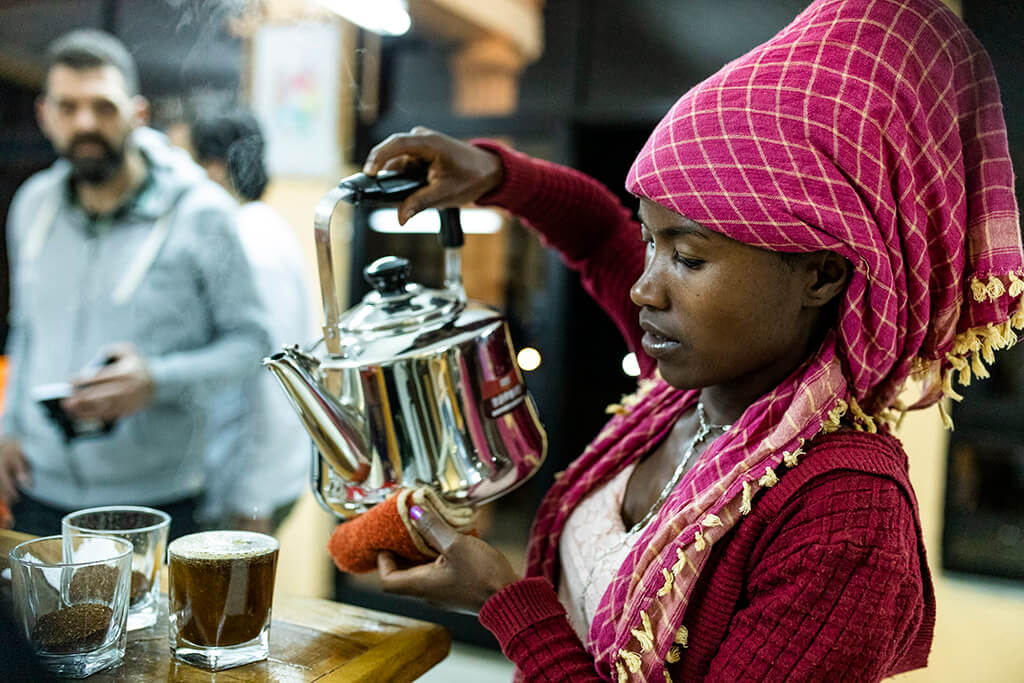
column 667, row 588
column 995, row 288
column 947, row 421
column 646, row 636
column 980, row 371
column 1016, row 285
column 674, row 654
column 791, row 458
column 746, row 502
column 862, row 421
column 711, row 520
column 835, row 416
column 978, row 290
column 947, row 385
column 769, row 479
column 1009, row 336
column 668, row 679
column 698, row 541
column 683, row 637
column 620, row 671
column 629, row 400
column 1018, row 319
column 632, row 660
column 680, row 561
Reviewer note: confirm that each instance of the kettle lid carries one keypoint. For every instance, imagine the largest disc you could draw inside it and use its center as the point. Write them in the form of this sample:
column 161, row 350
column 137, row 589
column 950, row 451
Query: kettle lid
column 397, row 306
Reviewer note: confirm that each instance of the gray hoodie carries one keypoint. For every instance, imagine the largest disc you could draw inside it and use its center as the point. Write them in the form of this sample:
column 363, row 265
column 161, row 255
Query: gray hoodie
column 192, row 310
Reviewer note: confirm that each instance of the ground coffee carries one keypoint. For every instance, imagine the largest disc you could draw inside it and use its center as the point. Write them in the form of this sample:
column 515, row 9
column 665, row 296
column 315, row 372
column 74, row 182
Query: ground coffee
column 78, row 628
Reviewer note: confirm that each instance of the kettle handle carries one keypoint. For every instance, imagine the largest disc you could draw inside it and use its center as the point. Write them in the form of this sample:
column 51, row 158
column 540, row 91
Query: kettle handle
column 325, row 264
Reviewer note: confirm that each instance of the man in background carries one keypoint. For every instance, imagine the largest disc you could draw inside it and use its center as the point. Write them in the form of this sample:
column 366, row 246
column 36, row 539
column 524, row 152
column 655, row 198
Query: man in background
column 131, row 289
column 260, row 453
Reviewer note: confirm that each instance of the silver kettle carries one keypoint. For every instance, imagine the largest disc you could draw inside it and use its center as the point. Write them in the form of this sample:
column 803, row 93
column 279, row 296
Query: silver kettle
column 413, row 385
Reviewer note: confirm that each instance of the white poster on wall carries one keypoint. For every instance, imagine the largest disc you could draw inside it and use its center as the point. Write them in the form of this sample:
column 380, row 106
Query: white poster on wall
column 295, row 81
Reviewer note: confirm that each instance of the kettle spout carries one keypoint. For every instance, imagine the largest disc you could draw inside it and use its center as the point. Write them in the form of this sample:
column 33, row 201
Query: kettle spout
column 337, row 429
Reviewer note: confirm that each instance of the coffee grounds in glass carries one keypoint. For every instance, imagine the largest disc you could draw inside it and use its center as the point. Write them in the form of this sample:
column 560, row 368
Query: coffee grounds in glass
column 72, row 629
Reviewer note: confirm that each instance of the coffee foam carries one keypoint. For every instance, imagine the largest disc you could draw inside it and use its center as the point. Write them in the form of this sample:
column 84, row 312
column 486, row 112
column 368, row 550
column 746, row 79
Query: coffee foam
column 222, row 545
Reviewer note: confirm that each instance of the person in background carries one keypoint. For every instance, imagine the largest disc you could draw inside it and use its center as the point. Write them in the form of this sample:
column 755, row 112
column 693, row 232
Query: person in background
column 825, row 222
column 260, row 452
column 129, row 283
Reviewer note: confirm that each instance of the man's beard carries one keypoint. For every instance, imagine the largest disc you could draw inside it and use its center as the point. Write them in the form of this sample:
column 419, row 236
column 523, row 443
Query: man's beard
column 93, row 170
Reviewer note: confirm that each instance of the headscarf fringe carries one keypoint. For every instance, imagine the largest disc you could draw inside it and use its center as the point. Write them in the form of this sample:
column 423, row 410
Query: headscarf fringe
column 698, row 541
column 632, row 660
column 1016, row 287
column 947, row 385
column 644, row 636
column 674, row 654
column 746, row 500
column 947, row 421
column 620, row 672
column 711, row 520
column 976, row 347
column 668, row 678
column 667, row 587
column 683, row 637
column 791, row 458
column 835, row 416
column 768, row 479
column 627, row 401
column 994, row 287
column 862, row 421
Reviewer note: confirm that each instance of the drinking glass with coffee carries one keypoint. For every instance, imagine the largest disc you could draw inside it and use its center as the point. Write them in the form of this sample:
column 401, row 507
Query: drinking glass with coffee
column 146, row 529
column 221, row 588
column 71, row 599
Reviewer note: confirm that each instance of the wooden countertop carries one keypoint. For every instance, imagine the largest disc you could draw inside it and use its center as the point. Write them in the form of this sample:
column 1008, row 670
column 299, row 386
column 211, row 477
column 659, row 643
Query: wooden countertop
column 310, row 640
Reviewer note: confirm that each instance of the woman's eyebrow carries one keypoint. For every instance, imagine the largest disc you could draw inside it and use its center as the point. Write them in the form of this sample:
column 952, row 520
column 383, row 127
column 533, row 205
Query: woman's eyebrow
column 674, row 231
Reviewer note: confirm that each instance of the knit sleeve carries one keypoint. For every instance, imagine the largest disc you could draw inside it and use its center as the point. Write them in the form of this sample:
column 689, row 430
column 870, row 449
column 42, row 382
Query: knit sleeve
column 586, row 223
column 534, row 633
column 835, row 593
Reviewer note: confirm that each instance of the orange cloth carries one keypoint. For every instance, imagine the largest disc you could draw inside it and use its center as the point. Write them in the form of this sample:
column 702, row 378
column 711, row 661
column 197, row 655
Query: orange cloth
column 387, row 526
column 354, row 544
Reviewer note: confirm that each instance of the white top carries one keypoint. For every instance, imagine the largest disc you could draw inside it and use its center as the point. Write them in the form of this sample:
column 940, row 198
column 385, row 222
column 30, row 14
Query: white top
column 260, row 453
column 593, row 546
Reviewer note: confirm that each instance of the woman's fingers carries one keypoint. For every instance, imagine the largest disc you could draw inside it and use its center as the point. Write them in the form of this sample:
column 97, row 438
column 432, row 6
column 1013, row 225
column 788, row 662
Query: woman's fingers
column 439, row 534
column 421, row 148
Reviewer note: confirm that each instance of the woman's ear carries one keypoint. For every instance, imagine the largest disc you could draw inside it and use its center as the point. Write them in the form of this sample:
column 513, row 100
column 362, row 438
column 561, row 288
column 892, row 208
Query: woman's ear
column 829, row 273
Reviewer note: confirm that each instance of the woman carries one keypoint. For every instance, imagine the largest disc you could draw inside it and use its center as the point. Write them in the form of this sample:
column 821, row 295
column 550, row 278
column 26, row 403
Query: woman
column 823, row 219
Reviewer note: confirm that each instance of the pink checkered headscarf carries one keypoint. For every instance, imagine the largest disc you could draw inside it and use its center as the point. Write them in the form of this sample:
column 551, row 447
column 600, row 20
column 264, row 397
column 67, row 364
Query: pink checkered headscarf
column 872, row 128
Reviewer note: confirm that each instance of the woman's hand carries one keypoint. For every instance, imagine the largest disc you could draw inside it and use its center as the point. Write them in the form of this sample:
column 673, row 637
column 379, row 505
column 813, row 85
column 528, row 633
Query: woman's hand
column 466, row 573
column 457, row 173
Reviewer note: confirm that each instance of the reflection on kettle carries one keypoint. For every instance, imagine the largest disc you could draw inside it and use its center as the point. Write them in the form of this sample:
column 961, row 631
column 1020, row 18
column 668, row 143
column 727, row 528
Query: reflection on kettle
column 413, row 385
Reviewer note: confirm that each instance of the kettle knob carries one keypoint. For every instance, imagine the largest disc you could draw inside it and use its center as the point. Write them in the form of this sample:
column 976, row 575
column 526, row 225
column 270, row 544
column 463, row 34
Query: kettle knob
column 388, row 275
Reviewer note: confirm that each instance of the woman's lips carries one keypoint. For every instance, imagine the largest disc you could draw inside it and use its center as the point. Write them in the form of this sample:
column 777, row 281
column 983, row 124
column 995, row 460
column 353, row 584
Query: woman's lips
column 655, row 345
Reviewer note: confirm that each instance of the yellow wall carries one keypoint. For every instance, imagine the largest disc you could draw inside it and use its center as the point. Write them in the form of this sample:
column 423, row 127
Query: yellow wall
column 979, row 636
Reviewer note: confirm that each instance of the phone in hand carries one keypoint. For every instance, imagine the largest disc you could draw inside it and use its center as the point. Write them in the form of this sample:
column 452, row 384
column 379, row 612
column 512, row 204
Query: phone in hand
column 50, row 396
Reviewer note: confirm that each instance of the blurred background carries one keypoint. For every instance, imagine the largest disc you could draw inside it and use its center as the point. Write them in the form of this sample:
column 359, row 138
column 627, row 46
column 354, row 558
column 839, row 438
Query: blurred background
column 580, row 82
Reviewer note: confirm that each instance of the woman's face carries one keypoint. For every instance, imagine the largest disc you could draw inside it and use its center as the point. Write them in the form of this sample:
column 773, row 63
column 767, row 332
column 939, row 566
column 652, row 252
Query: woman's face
column 716, row 311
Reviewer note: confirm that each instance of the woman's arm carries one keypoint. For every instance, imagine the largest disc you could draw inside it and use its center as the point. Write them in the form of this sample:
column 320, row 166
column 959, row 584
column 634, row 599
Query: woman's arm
column 580, row 218
column 836, row 593
column 531, row 626
column 573, row 213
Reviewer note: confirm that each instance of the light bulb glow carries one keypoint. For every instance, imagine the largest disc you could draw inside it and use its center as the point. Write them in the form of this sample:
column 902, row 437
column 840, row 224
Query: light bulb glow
column 528, row 359
column 387, row 17
column 474, row 222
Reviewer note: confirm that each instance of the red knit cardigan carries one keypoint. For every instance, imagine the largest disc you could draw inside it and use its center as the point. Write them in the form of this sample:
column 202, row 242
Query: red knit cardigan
column 826, row 579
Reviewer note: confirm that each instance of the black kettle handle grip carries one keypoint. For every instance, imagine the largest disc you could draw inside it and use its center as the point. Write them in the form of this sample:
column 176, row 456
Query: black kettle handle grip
column 451, row 236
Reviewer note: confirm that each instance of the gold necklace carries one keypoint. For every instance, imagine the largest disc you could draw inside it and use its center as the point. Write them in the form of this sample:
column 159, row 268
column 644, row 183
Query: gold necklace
column 704, row 428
